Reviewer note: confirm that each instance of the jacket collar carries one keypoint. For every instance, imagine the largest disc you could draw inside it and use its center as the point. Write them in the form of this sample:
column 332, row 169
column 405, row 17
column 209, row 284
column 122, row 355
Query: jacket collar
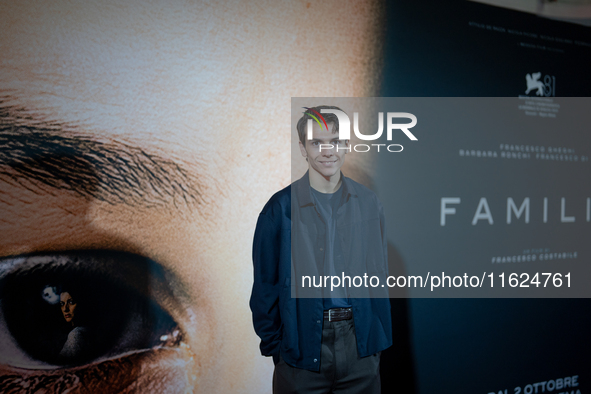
column 304, row 194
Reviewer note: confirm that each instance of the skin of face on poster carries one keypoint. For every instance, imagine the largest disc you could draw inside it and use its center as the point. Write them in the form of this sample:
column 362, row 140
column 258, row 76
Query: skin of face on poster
column 141, row 140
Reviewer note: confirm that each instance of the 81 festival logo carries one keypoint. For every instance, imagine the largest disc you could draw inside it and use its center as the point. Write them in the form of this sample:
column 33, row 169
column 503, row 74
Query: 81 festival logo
column 545, row 87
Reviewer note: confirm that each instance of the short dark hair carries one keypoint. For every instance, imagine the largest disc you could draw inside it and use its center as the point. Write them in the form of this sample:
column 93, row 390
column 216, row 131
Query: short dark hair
column 330, row 118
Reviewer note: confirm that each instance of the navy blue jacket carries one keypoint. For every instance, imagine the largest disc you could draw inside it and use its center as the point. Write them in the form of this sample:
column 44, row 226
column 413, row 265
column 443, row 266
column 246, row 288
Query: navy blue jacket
column 291, row 326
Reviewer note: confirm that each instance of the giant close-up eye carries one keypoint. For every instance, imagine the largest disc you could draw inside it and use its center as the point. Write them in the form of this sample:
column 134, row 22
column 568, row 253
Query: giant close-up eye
column 70, row 310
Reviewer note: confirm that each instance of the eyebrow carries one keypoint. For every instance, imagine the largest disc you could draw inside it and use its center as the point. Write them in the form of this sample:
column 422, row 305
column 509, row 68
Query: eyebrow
column 35, row 154
column 326, row 139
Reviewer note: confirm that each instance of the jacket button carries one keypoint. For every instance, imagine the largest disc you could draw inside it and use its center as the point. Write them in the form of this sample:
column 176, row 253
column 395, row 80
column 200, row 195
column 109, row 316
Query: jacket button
column 317, row 321
column 315, row 360
column 321, row 249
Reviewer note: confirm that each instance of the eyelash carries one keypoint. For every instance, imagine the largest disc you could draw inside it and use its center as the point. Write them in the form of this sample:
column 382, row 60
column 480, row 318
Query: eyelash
column 338, row 142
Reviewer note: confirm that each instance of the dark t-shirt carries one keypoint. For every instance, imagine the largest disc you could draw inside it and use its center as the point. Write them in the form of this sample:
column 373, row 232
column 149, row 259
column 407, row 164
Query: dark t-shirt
column 327, row 205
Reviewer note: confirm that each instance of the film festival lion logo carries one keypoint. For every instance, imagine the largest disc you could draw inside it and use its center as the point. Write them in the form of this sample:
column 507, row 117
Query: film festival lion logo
column 547, row 88
column 345, row 129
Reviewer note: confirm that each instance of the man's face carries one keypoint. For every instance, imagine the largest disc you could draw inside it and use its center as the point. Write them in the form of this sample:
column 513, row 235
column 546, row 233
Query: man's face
column 325, row 151
column 147, row 129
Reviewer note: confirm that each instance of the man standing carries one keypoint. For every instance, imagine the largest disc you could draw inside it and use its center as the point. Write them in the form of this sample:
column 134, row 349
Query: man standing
column 329, row 225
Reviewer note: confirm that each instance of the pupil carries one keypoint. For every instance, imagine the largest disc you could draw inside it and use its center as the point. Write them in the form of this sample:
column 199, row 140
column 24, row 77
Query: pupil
column 110, row 317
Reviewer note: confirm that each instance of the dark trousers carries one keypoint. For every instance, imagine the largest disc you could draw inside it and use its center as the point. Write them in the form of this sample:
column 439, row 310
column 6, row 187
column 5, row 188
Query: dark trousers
column 341, row 368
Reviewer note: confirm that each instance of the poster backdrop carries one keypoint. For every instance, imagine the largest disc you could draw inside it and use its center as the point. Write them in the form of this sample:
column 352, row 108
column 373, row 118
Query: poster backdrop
column 464, row 49
column 139, row 140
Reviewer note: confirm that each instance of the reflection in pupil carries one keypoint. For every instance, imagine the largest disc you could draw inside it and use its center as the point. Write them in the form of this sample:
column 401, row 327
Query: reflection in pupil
column 78, row 341
column 69, row 315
